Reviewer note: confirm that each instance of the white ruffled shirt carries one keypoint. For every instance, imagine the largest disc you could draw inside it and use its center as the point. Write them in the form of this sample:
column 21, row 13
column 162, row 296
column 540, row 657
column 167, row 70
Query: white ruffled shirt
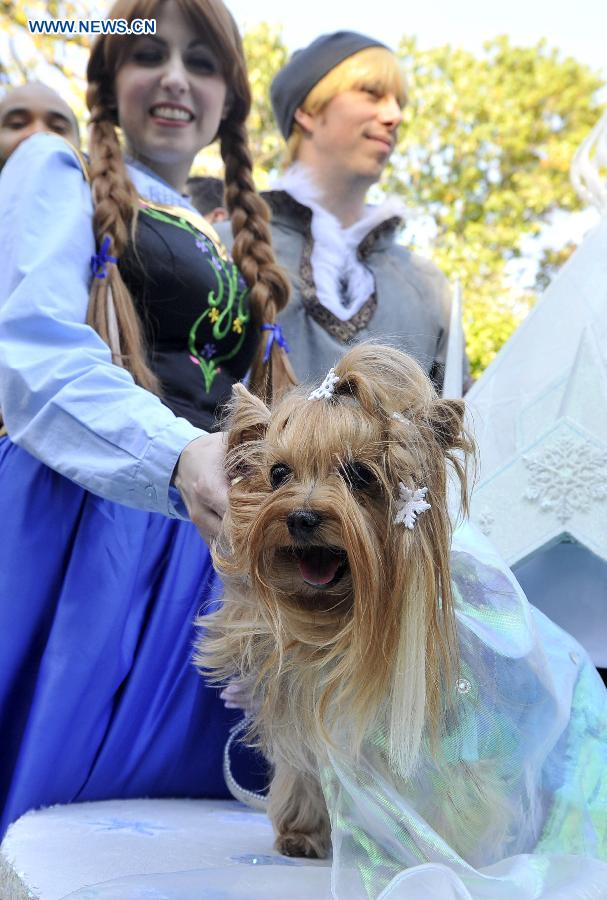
column 343, row 282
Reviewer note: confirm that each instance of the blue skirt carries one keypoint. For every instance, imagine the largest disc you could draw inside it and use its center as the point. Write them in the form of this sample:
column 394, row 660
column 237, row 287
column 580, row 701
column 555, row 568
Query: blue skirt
column 98, row 695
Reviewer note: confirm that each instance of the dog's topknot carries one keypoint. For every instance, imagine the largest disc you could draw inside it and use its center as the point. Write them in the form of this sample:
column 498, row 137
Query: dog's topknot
column 388, row 383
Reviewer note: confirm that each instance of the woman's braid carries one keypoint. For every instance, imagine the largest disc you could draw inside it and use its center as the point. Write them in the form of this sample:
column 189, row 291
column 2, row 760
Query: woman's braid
column 253, row 255
column 111, row 309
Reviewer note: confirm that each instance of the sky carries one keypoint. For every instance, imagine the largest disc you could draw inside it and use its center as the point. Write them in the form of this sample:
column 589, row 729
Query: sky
column 577, row 28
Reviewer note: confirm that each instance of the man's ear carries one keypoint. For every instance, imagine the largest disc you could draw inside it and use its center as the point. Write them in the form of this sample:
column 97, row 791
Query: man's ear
column 248, row 419
column 304, row 120
column 219, row 214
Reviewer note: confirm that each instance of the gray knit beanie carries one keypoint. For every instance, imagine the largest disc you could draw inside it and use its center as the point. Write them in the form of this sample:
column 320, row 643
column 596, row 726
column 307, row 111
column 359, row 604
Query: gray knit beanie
column 306, row 67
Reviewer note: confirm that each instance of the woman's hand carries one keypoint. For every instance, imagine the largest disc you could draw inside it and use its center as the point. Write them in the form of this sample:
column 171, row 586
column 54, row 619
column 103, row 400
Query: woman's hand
column 202, row 483
column 240, row 695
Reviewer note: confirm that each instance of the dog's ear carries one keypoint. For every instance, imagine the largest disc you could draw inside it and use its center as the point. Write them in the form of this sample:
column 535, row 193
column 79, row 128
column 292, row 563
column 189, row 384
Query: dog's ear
column 447, row 423
column 248, row 419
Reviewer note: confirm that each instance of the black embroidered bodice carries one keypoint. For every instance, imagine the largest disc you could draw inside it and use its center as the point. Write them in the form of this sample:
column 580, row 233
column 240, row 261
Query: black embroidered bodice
column 194, row 306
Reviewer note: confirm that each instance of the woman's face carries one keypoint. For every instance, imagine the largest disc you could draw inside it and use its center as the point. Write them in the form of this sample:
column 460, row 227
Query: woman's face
column 170, row 96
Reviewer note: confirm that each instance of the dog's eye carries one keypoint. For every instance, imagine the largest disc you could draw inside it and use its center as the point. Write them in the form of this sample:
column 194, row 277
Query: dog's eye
column 279, row 474
column 358, row 476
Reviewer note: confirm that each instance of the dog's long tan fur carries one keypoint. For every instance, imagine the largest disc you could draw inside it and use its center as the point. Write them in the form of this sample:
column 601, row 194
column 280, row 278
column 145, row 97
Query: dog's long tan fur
column 377, row 647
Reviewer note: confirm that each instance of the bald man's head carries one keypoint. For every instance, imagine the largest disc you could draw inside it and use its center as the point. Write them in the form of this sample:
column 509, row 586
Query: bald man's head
column 31, row 108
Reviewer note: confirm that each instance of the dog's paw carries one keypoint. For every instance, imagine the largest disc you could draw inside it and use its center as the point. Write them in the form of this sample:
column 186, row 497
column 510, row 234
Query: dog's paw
column 294, row 843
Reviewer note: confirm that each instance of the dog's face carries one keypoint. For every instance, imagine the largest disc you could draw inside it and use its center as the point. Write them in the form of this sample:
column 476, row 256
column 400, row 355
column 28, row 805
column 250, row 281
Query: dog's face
column 315, row 482
column 336, row 584
column 313, row 497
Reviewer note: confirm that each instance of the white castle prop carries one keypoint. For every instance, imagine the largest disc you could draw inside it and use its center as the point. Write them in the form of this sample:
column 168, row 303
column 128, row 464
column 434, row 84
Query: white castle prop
column 539, row 412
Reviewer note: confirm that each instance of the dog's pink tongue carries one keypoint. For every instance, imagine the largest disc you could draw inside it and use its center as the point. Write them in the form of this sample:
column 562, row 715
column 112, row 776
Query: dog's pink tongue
column 318, row 567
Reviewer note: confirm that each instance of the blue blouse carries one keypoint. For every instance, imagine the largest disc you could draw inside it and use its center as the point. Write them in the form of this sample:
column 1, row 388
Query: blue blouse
column 62, row 398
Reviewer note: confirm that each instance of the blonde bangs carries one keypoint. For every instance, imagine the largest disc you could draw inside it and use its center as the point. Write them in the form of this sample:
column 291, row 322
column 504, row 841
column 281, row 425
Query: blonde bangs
column 374, row 68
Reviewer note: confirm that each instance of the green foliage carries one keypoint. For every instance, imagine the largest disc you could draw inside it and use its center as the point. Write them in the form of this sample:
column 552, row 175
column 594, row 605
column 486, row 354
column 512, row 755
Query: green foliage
column 53, row 60
column 485, row 149
column 266, row 54
column 552, row 260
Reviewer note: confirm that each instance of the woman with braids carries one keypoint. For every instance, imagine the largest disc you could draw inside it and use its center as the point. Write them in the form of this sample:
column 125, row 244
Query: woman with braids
column 123, row 325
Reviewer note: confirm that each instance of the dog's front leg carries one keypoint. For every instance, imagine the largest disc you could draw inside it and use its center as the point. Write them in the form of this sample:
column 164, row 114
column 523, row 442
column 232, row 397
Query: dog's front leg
column 298, row 812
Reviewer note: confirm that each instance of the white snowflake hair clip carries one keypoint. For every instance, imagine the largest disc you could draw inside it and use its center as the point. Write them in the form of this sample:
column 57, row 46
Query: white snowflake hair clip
column 410, row 504
column 327, row 388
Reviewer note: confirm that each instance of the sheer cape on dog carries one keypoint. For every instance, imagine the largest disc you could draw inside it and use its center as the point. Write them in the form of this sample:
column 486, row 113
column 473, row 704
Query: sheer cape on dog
column 531, row 726
column 532, row 716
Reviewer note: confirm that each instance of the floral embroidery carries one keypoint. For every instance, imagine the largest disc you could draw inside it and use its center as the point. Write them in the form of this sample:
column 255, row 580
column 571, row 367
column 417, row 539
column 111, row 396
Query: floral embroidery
column 227, row 310
column 226, row 306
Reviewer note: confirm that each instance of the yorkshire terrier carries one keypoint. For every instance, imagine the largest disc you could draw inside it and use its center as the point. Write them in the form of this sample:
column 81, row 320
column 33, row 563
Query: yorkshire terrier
column 335, row 557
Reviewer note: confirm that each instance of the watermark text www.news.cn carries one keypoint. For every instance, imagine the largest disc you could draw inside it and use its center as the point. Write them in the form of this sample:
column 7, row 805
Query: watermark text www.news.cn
column 67, row 27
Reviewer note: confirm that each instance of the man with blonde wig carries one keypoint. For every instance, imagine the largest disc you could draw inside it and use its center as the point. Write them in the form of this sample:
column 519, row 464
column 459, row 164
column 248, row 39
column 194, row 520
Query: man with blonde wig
column 338, row 104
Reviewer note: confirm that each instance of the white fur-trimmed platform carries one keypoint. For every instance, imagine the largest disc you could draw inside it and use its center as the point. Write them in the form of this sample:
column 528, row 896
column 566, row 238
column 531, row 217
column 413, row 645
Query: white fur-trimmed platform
column 152, row 850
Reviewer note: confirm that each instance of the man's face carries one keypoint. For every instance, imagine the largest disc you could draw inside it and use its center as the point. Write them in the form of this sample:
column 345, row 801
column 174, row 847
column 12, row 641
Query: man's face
column 29, row 109
column 355, row 132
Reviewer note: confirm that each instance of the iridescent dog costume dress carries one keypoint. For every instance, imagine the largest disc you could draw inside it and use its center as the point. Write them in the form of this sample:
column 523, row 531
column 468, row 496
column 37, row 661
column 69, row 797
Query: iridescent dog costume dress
column 533, row 711
column 333, row 544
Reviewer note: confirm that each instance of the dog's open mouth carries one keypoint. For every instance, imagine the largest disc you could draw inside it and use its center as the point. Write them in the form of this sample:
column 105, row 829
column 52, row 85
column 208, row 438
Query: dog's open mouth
column 321, row 566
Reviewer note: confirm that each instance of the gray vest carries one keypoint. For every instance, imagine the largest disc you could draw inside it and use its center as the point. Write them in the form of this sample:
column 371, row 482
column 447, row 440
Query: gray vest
column 409, row 308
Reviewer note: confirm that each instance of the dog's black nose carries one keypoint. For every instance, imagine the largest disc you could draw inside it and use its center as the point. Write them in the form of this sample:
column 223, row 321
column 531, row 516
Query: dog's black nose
column 302, row 523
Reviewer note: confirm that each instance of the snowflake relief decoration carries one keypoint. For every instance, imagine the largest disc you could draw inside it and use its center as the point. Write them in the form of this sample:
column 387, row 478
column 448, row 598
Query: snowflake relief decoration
column 410, row 504
column 567, row 476
column 485, row 521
